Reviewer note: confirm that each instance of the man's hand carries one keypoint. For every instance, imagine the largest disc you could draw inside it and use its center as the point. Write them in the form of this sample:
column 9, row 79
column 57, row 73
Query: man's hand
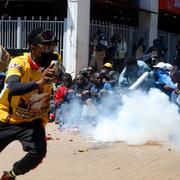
column 166, row 87
column 47, row 76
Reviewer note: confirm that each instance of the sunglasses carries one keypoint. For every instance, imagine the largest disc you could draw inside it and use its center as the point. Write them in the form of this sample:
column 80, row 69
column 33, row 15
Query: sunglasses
column 47, row 36
column 79, row 79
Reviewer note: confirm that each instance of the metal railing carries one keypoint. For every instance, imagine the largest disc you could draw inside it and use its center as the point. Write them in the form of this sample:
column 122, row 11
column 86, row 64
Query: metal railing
column 13, row 33
column 130, row 34
column 170, row 40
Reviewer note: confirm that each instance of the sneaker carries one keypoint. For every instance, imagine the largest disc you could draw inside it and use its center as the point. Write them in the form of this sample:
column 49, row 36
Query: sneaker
column 7, row 176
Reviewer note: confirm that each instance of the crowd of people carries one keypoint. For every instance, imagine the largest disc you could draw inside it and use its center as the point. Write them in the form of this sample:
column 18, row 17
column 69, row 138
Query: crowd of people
column 111, row 71
column 116, row 49
column 90, row 87
column 33, row 92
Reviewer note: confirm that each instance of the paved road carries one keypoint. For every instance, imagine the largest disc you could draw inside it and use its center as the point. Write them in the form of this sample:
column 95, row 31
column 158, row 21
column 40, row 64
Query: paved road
column 71, row 157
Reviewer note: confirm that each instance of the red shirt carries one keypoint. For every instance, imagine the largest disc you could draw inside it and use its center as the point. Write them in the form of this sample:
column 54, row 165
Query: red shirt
column 60, row 93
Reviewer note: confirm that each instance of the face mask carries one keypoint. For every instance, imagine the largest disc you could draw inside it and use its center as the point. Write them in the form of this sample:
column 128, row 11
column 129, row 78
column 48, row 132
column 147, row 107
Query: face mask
column 46, row 59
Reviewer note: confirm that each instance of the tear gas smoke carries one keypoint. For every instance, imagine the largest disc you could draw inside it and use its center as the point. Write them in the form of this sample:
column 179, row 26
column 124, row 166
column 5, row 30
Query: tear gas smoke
column 136, row 119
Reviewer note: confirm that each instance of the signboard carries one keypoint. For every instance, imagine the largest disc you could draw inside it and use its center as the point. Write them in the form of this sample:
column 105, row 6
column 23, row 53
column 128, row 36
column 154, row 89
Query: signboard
column 170, row 5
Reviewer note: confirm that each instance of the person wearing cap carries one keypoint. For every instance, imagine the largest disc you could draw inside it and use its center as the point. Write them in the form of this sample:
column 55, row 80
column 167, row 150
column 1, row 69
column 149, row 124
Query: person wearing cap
column 108, row 65
column 162, row 78
column 25, row 101
column 110, row 76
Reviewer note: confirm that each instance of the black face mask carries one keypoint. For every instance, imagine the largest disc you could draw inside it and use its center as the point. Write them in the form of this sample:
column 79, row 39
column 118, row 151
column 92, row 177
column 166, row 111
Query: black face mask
column 46, row 59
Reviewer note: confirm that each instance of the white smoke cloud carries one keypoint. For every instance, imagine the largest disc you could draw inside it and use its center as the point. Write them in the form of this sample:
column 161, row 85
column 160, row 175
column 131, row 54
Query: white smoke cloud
column 139, row 118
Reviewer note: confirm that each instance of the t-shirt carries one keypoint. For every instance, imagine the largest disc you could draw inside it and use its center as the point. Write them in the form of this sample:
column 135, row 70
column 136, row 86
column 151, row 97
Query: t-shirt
column 164, row 78
column 104, row 86
column 27, row 107
column 60, row 94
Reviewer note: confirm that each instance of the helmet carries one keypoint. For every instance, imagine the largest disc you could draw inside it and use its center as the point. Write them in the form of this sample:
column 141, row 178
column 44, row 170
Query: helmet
column 108, row 65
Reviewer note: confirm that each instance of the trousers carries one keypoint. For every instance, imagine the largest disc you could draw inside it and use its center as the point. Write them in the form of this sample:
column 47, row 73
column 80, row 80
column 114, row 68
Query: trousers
column 32, row 137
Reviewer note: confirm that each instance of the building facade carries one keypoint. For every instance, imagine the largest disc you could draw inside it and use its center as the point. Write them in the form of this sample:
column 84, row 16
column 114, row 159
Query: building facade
column 151, row 15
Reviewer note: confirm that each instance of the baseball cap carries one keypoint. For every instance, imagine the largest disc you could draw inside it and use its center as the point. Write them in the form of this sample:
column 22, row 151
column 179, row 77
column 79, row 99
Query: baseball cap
column 160, row 65
column 165, row 66
column 169, row 66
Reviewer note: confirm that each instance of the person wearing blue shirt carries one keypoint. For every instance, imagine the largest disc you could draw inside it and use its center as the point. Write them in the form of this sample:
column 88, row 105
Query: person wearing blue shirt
column 99, row 88
column 162, row 77
column 133, row 70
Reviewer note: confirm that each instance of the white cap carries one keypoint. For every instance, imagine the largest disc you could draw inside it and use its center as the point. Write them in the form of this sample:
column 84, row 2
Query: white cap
column 169, row 66
column 160, row 65
column 165, row 66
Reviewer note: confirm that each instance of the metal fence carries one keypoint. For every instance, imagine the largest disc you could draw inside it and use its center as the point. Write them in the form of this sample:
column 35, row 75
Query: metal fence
column 170, row 40
column 13, row 33
column 130, row 34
